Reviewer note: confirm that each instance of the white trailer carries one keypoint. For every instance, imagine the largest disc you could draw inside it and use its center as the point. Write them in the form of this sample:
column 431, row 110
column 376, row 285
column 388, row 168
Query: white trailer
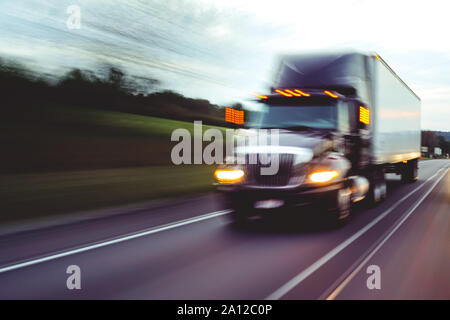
column 396, row 117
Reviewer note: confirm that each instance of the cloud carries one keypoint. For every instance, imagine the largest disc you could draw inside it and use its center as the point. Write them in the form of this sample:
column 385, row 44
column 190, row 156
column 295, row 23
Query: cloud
column 223, row 49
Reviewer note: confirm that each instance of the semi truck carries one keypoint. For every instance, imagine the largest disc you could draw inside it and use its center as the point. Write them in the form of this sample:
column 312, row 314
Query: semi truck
column 343, row 120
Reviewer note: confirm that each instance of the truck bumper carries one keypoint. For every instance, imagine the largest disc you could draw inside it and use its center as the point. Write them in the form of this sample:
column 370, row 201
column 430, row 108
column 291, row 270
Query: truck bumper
column 262, row 199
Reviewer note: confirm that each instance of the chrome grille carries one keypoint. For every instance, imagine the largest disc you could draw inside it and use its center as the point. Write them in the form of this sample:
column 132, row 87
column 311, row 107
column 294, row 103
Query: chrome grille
column 281, row 178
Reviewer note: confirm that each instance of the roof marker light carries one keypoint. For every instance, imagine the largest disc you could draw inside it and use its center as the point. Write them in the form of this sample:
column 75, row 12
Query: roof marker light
column 293, row 93
column 283, row 93
column 331, row 94
column 302, row 93
column 259, row 96
column 376, row 56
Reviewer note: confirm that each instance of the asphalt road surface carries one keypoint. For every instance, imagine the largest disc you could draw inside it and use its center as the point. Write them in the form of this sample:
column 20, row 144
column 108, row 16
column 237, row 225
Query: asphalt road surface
column 189, row 250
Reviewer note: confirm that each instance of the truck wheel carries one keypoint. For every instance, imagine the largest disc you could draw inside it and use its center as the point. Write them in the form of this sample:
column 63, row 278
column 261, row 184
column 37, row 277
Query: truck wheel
column 377, row 189
column 410, row 171
column 341, row 214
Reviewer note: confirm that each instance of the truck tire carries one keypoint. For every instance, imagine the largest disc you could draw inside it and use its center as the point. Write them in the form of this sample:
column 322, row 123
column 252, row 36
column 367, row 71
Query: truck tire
column 341, row 214
column 377, row 188
column 410, row 171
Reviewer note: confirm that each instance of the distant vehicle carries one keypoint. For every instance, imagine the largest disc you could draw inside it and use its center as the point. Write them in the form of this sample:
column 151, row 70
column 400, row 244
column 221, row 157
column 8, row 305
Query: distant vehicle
column 346, row 120
column 438, row 151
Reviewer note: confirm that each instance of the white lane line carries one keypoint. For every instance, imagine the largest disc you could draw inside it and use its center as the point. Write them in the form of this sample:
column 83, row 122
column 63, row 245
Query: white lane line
column 291, row 284
column 344, row 283
column 116, row 240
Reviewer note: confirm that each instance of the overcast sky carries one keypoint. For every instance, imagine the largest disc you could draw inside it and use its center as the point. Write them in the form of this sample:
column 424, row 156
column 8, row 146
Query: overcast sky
column 223, row 49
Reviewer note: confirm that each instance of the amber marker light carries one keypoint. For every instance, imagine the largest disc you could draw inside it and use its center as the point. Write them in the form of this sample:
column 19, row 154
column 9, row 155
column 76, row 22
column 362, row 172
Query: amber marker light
column 302, row 93
column 259, row 96
column 331, row 94
column 364, row 115
column 293, row 93
column 283, row 93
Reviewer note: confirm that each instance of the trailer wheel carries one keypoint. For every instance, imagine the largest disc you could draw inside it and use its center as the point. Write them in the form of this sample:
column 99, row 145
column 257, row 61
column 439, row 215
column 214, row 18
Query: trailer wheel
column 410, row 171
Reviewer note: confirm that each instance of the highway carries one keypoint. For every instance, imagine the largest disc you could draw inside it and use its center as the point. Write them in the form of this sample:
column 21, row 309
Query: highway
column 190, row 250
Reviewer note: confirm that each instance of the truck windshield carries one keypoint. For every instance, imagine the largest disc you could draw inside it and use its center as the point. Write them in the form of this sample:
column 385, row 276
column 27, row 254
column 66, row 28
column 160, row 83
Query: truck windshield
column 298, row 117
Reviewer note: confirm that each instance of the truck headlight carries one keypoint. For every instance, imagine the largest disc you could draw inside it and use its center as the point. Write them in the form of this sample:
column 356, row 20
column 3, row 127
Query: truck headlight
column 323, row 176
column 229, row 175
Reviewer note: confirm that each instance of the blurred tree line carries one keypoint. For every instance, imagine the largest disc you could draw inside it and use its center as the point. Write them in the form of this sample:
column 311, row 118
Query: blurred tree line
column 50, row 124
column 109, row 88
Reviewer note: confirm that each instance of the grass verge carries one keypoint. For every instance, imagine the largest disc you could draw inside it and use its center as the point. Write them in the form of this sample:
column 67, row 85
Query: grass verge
column 33, row 196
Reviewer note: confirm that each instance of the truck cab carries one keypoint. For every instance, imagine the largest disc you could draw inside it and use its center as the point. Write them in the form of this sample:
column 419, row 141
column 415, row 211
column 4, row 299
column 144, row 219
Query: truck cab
column 317, row 134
